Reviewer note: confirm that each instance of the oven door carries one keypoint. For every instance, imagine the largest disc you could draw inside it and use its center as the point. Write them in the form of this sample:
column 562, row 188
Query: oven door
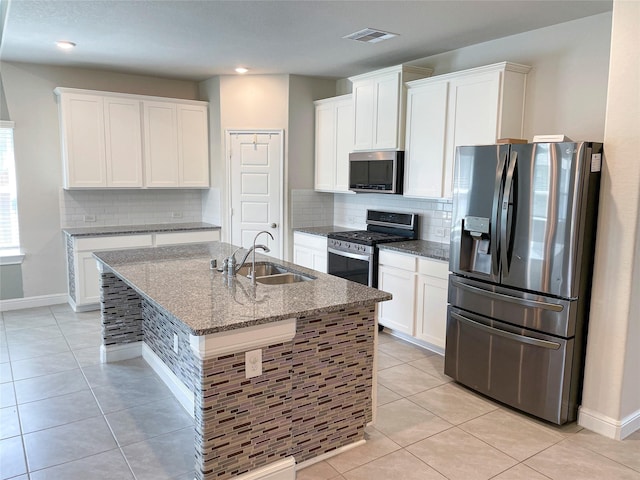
column 351, row 266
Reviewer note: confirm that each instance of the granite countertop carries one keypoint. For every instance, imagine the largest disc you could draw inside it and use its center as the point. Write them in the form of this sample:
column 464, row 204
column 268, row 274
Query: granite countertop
column 137, row 229
column 324, row 231
column 178, row 280
column 423, row 248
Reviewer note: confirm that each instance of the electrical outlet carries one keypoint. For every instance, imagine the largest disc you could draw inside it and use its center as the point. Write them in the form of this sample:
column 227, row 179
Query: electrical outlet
column 89, row 218
column 253, row 363
column 440, row 232
column 175, row 342
column 176, row 214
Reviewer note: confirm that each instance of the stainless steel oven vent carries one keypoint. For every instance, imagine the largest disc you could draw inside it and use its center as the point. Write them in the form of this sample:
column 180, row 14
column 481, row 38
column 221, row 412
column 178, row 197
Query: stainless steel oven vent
column 370, row 35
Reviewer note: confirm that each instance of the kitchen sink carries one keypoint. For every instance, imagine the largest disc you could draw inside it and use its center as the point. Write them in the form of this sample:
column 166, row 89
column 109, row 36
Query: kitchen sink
column 273, row 274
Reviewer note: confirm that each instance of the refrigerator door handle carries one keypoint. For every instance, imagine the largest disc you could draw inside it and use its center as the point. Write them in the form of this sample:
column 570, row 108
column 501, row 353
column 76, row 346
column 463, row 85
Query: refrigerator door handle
column 502, row 333
column 498, row 190
column 504, row 214
column 501, row 297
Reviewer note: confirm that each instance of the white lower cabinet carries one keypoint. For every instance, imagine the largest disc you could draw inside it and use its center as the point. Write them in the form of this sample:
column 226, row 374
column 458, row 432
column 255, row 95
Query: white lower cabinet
column 397, row 275
column 431, row 301
column 84, row 278
column 310, row 251
column 419, row 289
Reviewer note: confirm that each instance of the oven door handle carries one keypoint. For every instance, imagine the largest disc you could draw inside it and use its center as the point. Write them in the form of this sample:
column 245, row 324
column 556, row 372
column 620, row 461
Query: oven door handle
column 355, row 256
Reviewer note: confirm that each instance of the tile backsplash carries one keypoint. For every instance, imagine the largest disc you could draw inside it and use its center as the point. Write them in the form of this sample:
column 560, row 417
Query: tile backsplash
column 87, row 208
column 311, row 209
column 314, row 209
column 350, row 210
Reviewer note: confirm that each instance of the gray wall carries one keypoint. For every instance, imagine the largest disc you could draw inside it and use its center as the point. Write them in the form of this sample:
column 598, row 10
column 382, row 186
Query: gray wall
column 31, row 104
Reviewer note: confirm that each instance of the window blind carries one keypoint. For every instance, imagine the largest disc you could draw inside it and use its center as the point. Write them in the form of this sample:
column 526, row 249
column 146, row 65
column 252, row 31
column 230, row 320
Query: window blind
column 9, row 236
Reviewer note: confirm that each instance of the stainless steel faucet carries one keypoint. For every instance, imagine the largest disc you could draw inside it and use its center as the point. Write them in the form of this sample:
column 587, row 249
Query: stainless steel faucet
column 232, row 266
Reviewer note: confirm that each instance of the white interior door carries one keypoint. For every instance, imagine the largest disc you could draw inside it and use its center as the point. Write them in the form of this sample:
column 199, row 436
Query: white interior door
column 256, row 162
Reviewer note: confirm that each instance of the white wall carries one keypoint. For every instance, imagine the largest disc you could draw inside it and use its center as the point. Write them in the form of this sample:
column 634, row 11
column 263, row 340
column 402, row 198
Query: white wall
column 31, row 104
column 611, row 397
column 567, row 86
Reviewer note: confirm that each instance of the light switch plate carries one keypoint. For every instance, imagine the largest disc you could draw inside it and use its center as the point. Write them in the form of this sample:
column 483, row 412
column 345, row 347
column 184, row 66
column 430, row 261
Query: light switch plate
column 253, row 363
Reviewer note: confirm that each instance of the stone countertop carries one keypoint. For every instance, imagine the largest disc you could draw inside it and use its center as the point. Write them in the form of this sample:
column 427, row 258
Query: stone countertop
column 137, row 229
column 324, row 231
column 423, row 248
column 178, row 279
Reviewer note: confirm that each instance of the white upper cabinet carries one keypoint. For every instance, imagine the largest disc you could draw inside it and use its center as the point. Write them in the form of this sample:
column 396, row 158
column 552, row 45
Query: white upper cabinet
column 193, row 146
column 161, row 144
column 123, row 141
column 102, row 141
column 379, row 100
column 334, row 142
column 471, row 107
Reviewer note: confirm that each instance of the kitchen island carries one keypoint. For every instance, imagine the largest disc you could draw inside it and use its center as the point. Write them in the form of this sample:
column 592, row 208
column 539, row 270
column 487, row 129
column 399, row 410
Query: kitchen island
column 274, row 375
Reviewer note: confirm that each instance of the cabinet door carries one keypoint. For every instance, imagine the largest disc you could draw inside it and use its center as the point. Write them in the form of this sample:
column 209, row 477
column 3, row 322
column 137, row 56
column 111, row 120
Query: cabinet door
column 425, row 142
column 88, row 279
column 160, row 144
column 82, row 125
column 343, row 144
column 386, row 111
column 325, row 147
column 303, row 256
column 193, row 145
column 319, row 261
column 431, row 310
column 123, row 142
column 473, row 116
column 363, row 113
column 398, row 313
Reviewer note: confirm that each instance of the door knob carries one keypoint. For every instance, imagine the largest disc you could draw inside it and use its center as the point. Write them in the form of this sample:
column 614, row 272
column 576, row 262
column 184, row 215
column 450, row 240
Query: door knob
column 274, row 225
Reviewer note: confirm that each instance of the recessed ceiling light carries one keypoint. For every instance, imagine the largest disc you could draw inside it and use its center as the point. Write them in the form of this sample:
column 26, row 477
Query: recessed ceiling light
column 65, row 45
column 242, row 70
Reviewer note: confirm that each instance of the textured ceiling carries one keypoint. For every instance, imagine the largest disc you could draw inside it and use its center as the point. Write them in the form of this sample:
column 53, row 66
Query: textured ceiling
column 200, row 39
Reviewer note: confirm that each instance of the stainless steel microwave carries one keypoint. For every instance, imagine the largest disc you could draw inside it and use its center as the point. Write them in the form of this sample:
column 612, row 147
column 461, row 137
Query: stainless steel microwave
column 376, row 172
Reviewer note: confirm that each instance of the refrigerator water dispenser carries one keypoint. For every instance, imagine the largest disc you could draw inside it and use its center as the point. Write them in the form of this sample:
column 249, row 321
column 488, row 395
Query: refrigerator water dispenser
column 475, row 233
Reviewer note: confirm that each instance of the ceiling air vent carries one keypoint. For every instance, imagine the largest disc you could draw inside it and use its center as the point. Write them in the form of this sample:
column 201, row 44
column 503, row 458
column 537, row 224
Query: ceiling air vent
column 370, row 35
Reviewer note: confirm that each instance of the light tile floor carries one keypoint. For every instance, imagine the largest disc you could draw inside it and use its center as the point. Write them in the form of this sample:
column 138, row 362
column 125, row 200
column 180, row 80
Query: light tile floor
column 63, row 415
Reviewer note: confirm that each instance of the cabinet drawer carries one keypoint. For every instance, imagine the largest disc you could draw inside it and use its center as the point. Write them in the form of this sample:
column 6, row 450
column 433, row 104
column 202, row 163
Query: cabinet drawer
column 114, row 242
column 433, row 268
column 175, row 238
column 317, row 242
column 397, row 260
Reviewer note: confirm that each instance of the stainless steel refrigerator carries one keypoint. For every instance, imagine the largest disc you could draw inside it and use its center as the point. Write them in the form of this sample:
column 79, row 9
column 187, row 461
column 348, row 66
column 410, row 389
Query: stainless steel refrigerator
column 521, row 256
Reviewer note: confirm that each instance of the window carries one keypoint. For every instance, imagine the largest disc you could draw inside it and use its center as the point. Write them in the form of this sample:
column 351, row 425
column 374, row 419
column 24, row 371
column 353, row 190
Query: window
column 9, row 236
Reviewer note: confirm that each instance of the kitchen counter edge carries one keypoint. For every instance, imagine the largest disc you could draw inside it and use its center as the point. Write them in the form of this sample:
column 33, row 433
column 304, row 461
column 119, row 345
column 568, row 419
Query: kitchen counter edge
column 106, row 230
column 422, row 248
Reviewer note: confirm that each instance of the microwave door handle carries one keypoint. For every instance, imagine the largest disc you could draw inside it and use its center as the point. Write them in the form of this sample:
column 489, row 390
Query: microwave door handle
column 495, row 220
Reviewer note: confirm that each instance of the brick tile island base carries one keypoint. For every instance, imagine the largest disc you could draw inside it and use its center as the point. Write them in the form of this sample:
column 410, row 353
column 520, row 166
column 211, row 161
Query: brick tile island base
column 314, row 396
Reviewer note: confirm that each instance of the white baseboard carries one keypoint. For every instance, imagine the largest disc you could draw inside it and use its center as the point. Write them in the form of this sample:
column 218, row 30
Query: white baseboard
column 607, row 426
column 332, row 453
column 284, row 469
column 117, row 353
column 179, row 389
column 32, row 302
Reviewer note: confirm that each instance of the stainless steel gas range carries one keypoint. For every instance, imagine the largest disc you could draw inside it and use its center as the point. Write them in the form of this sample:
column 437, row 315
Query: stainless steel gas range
column 353, row 254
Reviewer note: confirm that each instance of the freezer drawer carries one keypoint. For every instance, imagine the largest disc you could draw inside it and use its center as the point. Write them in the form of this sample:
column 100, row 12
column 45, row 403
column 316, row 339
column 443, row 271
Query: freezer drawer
column 527, row 370
column 536, row 312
